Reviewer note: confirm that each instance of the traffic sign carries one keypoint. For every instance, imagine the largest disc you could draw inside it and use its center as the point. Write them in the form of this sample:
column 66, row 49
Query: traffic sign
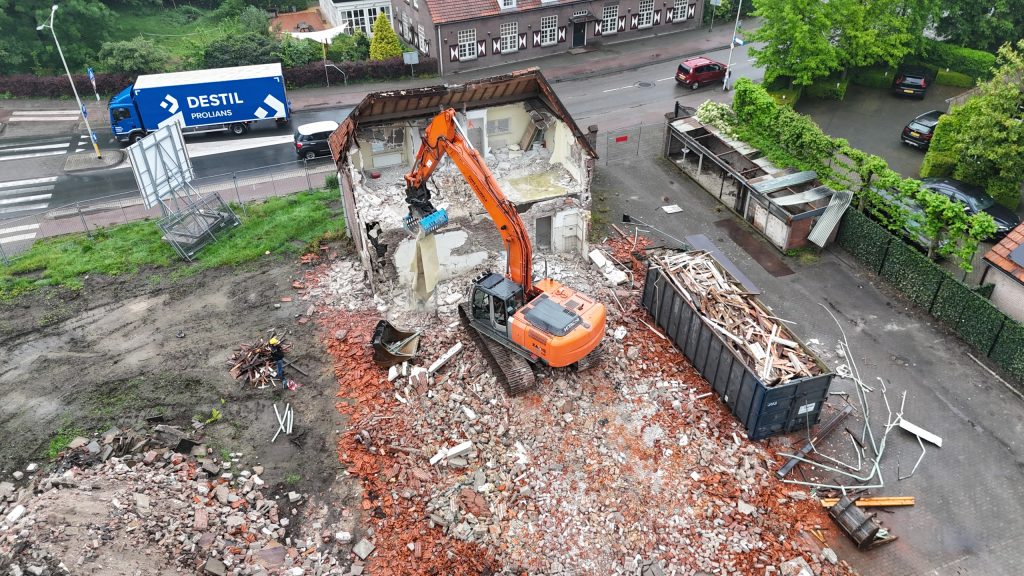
column 738, row 41
column 85, row 112
column 91, row 75
column 95, row 138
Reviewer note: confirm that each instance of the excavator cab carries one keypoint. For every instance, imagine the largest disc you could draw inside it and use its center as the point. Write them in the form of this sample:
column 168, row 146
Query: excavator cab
column 495, row 300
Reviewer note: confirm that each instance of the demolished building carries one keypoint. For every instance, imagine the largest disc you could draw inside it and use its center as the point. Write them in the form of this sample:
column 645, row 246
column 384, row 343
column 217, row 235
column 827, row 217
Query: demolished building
column 542, row 160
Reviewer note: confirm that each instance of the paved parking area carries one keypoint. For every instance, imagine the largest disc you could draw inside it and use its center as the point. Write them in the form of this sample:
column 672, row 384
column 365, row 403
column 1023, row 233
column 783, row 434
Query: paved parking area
column 872, row 118
column 969, row 492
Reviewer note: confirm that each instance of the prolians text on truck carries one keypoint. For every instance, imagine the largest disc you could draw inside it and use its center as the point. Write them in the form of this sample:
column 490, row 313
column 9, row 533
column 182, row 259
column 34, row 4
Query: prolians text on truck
column 201, row 101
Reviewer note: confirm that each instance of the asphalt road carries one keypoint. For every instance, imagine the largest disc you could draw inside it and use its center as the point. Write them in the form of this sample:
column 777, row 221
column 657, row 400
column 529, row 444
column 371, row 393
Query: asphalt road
column 37, row 151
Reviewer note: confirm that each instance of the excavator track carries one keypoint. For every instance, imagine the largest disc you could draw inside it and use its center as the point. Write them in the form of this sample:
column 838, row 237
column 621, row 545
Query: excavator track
column 590, row 360
column 515, row 372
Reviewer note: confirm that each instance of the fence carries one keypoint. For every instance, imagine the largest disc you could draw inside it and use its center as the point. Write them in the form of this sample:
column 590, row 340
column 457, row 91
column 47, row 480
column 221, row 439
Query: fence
column 626, row 144
column 85, row 217
column 928, row 285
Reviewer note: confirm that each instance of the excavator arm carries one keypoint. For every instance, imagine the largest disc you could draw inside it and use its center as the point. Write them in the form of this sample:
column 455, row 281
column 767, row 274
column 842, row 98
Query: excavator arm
column 444, row 136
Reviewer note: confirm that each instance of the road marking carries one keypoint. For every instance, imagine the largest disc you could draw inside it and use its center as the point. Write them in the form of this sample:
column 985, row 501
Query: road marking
column 23, row 208
column 210, row 148
column 623, row 88
column 44, row 112
column 42, row 118
column 14, row 229
column 26, row 190
column 41, row 147
column 25, row 199
column 12, row 183
column 34, row 155
column 663, row 79
column 18, row 238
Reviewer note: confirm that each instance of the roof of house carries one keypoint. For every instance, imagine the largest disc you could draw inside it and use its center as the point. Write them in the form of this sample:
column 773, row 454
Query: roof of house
column 999, row 255
column 383, row 107
column 442, row 11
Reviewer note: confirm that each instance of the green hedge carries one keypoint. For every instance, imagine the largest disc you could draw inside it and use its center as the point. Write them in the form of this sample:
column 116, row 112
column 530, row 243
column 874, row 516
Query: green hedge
column 828, row 89
column 951, row 78
column 872, row 77
column 974, row 63
column 937, row 164
column 973, row 317
column 863, row 238
column 1009, row 350
column 912, row 273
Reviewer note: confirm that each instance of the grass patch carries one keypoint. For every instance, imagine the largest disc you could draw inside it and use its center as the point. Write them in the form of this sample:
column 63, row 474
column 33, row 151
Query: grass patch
column 292, row 479
column 177, row 31
column 65, row 434
column 786, row 96
column 951, row 78
column 874, row 77
column 288, row 224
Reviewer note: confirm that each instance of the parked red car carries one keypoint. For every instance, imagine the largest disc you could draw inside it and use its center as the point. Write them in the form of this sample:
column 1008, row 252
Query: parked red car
column 700, row 71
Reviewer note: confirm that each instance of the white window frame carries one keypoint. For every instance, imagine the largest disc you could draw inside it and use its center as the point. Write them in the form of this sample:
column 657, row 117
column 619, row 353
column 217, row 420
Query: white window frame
column 507, row 4
column 549, row 30
column 679, row 8
column 610, row 20
column 467, row 44
column 509, row 37
column 416, row 4
column 645, row 14
column 406, row 26
column 421, row 38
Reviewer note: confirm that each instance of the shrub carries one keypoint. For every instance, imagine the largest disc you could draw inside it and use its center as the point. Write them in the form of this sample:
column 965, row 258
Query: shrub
column 137, row 56
column 863, row 238
column 974, row 63
column 312, row 74
column 240, row 50
column 874, row 77
column 912, row 273
column 346, row 48
column 937, row 164
column 299, row 52
column 189, row 13
column 254, row 21
column 950, row 78
column 1009, row 349
column 828, row 89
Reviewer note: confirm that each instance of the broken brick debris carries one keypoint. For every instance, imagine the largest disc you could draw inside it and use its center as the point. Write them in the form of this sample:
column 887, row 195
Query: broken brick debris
column 252, row 364
column 630, row 460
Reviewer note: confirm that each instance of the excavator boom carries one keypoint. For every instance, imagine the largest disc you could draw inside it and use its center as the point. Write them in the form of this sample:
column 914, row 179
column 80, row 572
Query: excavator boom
column 444, row 136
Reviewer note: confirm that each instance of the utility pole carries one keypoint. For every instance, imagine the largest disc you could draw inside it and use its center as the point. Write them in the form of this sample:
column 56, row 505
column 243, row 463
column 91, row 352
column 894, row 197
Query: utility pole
column 732, row 45
column 81, row 108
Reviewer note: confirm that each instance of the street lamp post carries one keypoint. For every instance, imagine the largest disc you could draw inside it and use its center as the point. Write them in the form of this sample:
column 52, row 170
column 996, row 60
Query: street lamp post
column 81, row 108
column 732, row 44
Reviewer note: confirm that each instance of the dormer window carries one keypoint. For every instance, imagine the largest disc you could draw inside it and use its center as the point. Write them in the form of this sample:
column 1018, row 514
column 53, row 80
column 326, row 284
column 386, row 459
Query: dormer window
column 507, row 4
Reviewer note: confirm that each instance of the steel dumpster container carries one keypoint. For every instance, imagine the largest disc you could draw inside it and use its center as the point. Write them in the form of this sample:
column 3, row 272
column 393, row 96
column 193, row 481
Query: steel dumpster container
column 763, row 410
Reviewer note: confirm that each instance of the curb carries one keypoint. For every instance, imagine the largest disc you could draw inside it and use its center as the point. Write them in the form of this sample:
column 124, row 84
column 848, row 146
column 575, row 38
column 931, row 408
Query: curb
column 618, row 69
column 110, row 159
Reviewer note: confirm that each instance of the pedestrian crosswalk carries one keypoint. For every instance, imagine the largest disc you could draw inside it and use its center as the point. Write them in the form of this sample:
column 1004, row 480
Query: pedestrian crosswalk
column 18, row 197
column 71, row 115
column 44, row 146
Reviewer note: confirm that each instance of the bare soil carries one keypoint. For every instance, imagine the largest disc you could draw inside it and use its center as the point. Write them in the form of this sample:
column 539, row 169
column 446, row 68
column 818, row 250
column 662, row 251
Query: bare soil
column 122, row 350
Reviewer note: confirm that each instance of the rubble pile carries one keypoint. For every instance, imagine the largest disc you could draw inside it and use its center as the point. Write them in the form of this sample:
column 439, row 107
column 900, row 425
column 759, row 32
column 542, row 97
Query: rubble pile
column 156, row 512
column 630, row 467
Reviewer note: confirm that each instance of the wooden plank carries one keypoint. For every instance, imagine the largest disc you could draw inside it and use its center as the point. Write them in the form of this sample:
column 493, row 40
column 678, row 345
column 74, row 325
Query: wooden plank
column 877, row 502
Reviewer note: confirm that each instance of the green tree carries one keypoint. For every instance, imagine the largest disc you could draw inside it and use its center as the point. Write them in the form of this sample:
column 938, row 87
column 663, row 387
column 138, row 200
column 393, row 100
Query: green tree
column 796, row 38
column 296, row 52
column 241, row 50
column 137, row 56
column 982, row 25
column 385, row 43
column 983, row 139
column 867, row 32
column 82, row 27
column 254, row 21
column 229, row 9
column 346, row 48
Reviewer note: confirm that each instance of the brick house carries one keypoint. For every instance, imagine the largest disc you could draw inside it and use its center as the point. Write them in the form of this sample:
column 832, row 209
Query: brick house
column 1005, row 269
column 472, row 34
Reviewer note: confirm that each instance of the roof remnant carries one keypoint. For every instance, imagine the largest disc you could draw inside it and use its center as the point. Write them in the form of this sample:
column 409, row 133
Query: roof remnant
column 1001, row 256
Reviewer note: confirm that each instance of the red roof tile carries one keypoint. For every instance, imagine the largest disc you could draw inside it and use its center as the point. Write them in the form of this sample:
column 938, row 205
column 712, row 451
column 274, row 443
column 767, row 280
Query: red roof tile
column 442, row 11
column 999, row 255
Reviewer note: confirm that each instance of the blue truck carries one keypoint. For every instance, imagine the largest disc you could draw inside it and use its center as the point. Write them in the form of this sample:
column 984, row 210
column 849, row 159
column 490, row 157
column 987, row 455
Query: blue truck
column 211, row 100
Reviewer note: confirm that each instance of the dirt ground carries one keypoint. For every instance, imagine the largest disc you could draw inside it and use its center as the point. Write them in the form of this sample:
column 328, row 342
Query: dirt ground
column 122, row 350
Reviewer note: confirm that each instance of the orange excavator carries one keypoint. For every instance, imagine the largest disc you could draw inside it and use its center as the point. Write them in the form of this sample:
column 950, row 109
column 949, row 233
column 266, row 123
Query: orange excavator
column 515, row 320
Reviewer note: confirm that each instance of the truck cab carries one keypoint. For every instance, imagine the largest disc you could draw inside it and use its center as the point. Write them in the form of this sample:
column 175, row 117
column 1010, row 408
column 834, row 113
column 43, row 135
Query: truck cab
column 124, row 117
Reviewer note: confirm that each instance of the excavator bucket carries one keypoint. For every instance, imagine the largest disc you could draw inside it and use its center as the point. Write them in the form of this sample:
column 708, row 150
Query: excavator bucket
column 392, row 346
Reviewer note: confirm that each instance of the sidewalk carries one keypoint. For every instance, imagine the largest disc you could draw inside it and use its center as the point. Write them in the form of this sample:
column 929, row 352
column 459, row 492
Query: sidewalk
column 600, row 59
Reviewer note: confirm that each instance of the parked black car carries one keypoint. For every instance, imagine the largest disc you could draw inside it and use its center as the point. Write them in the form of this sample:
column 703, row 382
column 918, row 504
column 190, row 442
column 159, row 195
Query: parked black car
column 974, row 200
column 311, row 139
column 918, row 132
column 911, row 82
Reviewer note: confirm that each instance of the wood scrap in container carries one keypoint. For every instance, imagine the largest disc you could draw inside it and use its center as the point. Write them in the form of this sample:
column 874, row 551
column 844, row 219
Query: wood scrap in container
column 748, row 327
